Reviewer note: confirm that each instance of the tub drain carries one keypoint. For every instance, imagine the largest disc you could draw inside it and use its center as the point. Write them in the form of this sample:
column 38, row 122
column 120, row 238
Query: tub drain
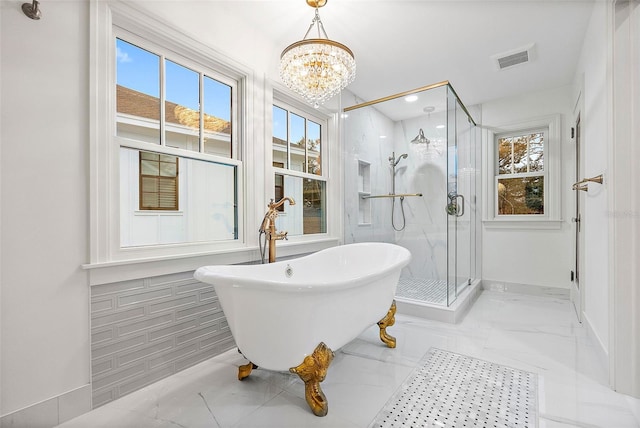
column 288, row 271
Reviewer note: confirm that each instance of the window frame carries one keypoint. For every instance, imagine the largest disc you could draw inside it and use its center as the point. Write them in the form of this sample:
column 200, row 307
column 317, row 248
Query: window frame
column 552, row 217
column 516, row 175
column 316, row 116
column 111, row 19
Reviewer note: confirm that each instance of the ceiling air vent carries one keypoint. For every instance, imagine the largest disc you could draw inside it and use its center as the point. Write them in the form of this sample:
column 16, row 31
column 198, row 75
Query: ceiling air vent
column 513, row 57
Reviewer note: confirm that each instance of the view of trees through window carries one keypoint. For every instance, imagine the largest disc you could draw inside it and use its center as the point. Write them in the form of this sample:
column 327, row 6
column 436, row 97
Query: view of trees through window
column 520, row 179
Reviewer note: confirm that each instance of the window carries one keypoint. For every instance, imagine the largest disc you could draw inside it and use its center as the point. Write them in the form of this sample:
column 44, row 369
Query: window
column 297, row 160
column 167, row 173
column 167, row 109
column 520, row 176
column 158, row 181
column 523, row 177
column 279, row 186
column 161, row 101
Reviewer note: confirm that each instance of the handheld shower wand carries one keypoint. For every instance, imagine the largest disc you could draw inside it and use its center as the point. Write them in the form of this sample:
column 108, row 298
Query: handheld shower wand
column 394, row 162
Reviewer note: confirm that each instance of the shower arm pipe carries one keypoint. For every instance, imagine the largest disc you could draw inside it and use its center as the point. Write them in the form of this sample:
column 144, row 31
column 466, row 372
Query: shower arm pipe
column 393, row 195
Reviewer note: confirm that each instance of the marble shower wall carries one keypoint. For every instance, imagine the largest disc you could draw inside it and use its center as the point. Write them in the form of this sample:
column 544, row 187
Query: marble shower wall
column 369, row 139
column 424, row 171
column 368, row 143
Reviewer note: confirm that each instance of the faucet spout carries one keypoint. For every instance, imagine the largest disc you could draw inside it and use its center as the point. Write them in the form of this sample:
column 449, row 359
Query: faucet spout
column 274, row 205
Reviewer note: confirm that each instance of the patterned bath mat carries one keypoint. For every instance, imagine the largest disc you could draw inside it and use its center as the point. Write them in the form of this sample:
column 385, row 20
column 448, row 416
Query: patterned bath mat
column 455, row 391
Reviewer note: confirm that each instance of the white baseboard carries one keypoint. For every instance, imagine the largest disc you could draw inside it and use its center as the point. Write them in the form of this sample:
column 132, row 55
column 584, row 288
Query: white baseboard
column 536, row 290
column 600, row 348
column 51, row 412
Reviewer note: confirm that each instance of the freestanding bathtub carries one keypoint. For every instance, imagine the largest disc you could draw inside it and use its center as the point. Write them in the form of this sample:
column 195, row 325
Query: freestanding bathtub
column 290, row 315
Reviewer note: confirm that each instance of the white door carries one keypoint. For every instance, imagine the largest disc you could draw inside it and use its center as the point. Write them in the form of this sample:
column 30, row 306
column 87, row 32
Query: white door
column 577, row 293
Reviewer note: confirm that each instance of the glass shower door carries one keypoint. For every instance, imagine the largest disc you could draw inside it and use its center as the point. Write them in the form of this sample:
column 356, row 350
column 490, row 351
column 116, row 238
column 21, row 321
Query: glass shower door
column 465, row 177
column 460, row 181
column 452, row 206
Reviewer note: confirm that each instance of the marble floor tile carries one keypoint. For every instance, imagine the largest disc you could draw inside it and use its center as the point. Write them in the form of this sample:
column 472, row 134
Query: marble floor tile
column 539, row 334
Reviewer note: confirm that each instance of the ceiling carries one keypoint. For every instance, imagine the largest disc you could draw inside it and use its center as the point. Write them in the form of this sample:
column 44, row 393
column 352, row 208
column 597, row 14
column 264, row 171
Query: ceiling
column 402, row 45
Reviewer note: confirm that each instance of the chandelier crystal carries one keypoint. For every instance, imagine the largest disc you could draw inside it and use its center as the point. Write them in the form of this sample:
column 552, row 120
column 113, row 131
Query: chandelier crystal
column 317, row 68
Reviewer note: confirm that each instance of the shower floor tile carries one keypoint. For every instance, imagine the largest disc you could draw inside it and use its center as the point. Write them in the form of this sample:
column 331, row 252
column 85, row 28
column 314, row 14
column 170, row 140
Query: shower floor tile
column 425, row 290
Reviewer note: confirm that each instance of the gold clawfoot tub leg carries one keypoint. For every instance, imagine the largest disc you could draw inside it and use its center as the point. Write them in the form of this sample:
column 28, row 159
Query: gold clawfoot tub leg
column 388, row 321
column 312, row 371
column 245, row 370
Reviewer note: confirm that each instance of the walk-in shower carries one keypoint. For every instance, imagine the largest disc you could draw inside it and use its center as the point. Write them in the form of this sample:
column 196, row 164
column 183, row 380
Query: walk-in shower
column 423, row 199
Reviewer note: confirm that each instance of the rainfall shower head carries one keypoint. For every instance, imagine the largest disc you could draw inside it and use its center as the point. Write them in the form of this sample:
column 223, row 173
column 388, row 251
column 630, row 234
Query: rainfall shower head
column 420, row 138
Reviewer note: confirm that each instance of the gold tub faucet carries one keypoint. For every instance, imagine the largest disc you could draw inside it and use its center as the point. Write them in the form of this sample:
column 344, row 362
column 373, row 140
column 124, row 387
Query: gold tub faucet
column 268, row 226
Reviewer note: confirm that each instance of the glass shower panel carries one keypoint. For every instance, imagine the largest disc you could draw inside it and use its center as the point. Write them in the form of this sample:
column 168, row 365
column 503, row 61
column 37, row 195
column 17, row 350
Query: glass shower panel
column 452, row 201
column 465, row 187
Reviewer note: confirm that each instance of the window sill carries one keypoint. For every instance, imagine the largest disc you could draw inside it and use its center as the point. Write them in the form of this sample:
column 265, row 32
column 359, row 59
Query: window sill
column 155, row 213
column 523, row 224
column 125, row 270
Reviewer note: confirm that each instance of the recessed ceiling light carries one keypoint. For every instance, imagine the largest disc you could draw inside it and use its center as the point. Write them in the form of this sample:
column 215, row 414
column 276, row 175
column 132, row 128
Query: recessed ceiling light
column 411, row 98
column 383, row 136
column 440, row 126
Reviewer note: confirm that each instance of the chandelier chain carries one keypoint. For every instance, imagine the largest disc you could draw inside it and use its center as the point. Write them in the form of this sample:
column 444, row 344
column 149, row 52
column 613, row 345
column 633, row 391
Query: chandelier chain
column 317, row 22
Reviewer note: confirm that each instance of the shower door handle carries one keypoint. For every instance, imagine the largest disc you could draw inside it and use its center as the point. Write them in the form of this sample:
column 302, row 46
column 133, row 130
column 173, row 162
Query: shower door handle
column 460, row 212
column 453, row 207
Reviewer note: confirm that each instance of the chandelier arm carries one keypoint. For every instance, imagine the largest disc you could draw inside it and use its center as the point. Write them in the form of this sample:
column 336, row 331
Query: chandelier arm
column 321, row 27
column 309, row 30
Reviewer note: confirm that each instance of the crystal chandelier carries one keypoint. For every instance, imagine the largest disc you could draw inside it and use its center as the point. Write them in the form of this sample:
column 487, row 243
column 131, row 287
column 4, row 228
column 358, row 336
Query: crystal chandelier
column 317, row 68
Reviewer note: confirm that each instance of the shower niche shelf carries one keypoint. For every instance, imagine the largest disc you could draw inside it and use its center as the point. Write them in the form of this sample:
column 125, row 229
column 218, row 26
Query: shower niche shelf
column 364, row 189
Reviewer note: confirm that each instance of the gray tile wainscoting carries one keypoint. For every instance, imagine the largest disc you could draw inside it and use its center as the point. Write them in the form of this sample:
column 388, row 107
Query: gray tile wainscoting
column 147, row 329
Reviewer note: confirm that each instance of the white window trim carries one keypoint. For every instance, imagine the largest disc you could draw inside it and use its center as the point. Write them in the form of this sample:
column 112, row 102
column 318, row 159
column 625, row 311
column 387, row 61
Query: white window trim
column 105, row 247
column 552, row 218
column 330, row 154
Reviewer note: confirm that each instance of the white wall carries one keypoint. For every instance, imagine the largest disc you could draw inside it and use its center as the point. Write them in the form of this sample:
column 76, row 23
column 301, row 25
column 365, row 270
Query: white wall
column 44, row 222
column 1, row 181
column 624, row 200
column 532, row 256
column 595, row 105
